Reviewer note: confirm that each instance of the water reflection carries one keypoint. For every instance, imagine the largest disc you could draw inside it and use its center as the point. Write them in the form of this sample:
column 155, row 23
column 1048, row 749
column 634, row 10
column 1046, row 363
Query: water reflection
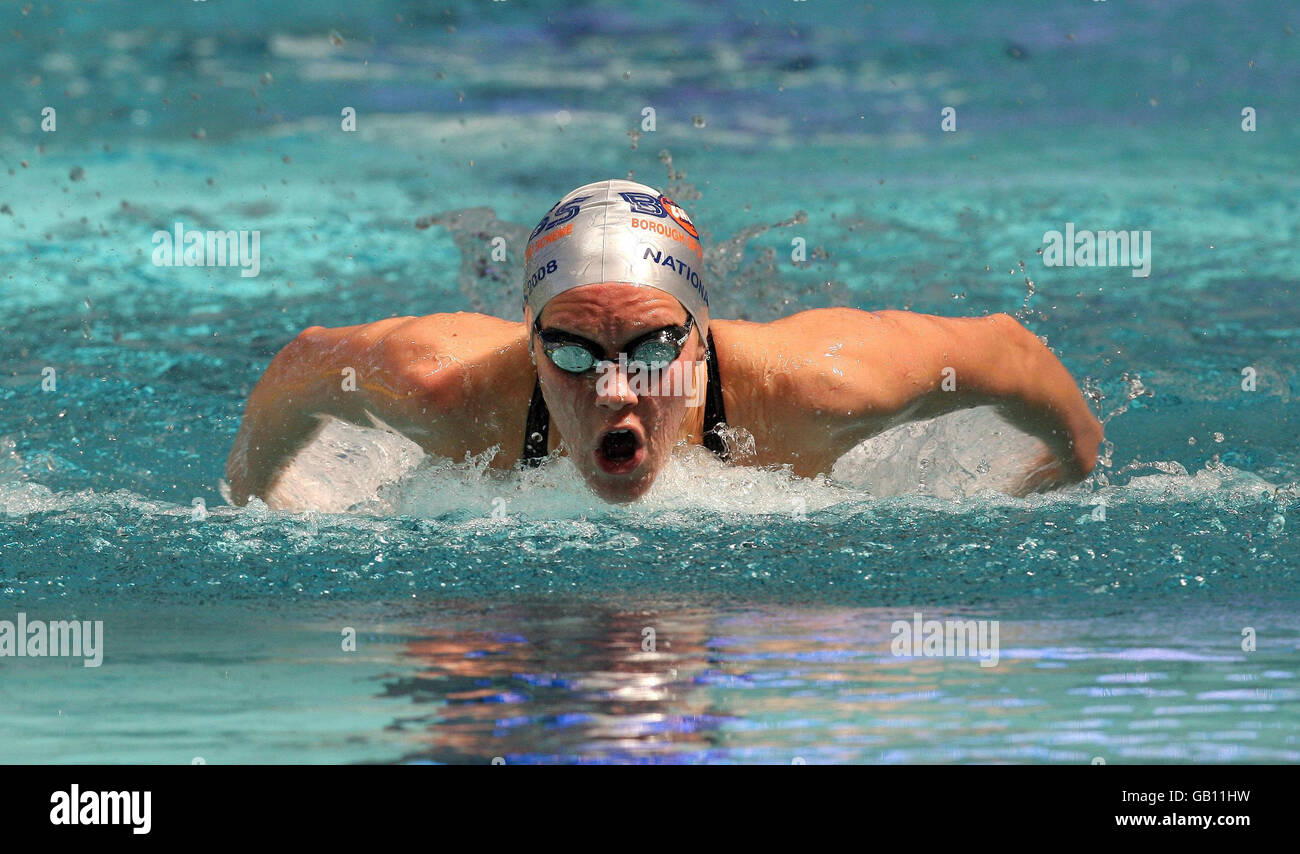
column 613, row 685
column 580, row 683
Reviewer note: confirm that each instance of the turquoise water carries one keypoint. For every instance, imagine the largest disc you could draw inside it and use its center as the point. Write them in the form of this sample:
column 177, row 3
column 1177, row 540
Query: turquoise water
column 504, row 616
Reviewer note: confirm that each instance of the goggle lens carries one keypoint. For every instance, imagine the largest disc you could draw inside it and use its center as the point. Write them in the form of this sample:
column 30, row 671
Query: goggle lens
column 655, row 353
column 573, row 358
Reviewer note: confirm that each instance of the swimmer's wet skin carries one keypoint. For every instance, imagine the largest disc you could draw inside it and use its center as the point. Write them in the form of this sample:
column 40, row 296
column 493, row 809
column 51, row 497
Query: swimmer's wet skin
column 611, row 265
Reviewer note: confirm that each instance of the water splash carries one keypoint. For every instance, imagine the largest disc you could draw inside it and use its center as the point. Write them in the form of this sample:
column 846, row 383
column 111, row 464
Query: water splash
column 1133, row 389
column 1024, row 311
column 963, row 460
column 490, row 286
column 761, row 290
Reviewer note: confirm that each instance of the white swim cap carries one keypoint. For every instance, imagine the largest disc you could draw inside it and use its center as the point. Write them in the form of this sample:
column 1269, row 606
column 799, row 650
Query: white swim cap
column 616, row 231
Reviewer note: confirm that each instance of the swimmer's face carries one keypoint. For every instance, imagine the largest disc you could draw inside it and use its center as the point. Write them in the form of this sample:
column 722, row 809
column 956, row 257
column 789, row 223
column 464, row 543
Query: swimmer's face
column 619, row 439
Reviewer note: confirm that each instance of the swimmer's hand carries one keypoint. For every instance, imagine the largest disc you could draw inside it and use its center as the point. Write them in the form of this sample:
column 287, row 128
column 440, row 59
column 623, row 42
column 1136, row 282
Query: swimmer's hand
column 1048, row 404
column 1044, row 473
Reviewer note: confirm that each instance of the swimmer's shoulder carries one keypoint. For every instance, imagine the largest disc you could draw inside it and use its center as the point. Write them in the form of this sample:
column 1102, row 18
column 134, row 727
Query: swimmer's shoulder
column 460, row 337
column 457, row 383
column 792, row 331
column 461, row 356
column 797, row 365
column 755, row 351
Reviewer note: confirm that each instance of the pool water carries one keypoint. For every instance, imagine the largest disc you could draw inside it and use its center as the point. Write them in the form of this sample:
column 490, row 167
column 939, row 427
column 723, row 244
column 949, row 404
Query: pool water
column 434, row 611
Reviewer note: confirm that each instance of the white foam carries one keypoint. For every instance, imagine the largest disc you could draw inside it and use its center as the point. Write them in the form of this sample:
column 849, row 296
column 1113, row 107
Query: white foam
column 953, row 464
column 947, row 463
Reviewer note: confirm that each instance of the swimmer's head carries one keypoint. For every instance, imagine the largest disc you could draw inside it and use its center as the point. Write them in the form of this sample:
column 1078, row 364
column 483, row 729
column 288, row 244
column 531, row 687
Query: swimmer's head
column 613, row 265
column 616, row 231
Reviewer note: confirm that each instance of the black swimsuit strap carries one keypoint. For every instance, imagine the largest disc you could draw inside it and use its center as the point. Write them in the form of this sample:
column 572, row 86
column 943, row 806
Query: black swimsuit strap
column 537, row 431
column 715, row 413
column 538, row 428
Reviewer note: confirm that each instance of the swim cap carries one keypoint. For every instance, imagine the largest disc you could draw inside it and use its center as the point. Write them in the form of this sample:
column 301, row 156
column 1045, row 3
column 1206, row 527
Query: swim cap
column 616, row 231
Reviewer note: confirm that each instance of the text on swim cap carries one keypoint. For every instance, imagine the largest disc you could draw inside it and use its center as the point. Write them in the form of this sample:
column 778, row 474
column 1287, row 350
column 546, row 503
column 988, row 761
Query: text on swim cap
column 644, row 203
column 670, row 232
column 540, row 274
column 534, row 245
column 683, row 269
column 558, row 215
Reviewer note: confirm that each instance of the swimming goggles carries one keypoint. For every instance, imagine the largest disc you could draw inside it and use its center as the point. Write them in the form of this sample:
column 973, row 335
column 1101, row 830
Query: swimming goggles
column 576, row 355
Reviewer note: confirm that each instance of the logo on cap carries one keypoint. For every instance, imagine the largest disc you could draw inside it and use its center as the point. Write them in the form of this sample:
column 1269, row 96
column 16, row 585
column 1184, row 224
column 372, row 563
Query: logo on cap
column 678, row 213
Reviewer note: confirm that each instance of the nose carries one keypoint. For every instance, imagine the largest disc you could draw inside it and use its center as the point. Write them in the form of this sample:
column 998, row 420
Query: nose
column 613, row 391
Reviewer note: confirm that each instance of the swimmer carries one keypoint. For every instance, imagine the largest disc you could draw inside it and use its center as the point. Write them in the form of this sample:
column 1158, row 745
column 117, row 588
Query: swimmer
column 617, row 361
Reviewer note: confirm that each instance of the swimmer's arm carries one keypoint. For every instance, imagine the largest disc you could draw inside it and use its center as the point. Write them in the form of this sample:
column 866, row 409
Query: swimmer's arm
column 306, row 382
column 990, row 360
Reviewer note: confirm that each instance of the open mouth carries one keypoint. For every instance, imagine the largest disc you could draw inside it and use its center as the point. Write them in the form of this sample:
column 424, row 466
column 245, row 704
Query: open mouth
column 619, row 451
